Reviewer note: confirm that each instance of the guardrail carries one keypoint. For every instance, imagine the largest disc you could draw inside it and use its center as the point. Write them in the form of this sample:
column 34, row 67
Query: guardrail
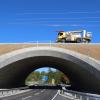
column 9, row 92
column 80, row 95
column 43, row 42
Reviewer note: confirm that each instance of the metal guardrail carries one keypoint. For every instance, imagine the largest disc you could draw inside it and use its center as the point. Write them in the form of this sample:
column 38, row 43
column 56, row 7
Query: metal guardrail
column 5, row 93
column 80, row 95
column 9, row 92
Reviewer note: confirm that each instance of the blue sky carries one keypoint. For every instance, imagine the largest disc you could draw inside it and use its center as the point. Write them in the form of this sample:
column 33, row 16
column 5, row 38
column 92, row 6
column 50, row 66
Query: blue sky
column 32, row 20
column 45, row 69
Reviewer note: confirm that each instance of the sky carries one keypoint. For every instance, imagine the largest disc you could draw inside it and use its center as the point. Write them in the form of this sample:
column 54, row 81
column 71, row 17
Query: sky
column 45, row 69
column 38, row 20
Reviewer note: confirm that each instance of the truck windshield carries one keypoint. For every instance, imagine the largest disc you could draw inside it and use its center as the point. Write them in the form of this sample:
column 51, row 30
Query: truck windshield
column 60, row 34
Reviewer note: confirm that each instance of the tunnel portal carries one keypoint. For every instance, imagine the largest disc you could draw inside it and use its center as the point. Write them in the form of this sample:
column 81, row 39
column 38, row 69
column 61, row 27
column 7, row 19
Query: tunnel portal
column 83, row 71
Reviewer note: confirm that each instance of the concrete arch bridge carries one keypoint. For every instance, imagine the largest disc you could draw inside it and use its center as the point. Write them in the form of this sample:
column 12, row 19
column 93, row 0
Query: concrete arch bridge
column 80, row 62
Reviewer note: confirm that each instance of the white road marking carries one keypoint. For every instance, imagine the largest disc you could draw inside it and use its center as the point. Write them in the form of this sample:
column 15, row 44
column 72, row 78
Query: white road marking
column 43, row 90
column 37, row 93
column 26, row 93
column 55, row 96
column 26, row 97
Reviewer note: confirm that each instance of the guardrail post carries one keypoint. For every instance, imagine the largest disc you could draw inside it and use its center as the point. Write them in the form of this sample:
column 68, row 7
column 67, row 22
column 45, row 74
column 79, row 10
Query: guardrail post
column 87, row 98
column 37, row 43
column 75, row 96
column 80, row 97
column 50, row 43
column 12, row 91
column 2, row 92
column 6, row 91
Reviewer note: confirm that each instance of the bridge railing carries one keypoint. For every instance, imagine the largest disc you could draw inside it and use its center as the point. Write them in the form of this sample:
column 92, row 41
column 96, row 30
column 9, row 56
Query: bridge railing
column 80, row 95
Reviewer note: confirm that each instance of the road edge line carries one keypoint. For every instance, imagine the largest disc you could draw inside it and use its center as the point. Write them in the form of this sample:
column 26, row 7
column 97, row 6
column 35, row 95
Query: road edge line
column 55, row 96
column 26, row 97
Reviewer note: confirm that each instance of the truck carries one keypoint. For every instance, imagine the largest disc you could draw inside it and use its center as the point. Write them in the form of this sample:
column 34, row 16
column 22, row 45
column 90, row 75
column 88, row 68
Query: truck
column 78, row 36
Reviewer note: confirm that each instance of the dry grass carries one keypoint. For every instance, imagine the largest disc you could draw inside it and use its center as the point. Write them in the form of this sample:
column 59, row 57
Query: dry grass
column 92, row 50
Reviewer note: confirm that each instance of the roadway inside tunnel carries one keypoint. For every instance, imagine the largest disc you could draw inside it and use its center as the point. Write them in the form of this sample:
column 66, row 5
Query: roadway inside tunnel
column 13, row 75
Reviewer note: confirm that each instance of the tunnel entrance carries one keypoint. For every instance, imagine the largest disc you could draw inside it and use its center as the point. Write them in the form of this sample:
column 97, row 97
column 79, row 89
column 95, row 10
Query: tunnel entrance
column 82, row 71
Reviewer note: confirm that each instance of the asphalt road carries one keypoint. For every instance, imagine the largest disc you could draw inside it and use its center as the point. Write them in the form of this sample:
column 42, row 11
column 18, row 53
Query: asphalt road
column 36, row 94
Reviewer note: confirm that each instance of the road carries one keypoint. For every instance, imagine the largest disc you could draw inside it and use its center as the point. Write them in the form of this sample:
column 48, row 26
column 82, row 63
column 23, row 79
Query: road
column 36, row 94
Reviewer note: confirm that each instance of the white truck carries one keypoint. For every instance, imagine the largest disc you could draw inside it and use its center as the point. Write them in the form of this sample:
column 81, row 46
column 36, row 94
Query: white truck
column 79, row 36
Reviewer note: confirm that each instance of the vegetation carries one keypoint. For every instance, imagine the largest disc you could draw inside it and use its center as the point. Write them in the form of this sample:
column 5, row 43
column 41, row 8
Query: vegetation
column 57, row 75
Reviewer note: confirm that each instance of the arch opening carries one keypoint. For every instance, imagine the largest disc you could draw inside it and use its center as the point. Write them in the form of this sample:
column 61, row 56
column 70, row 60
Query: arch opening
column 47, row 76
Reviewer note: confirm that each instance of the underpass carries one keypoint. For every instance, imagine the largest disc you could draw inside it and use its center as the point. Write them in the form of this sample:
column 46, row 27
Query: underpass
column 75, row 60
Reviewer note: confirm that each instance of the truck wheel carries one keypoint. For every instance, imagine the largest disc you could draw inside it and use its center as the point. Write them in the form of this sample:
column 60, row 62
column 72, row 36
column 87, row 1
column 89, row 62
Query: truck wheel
column 87, row 41
column 78, row 40
column 63, row 40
